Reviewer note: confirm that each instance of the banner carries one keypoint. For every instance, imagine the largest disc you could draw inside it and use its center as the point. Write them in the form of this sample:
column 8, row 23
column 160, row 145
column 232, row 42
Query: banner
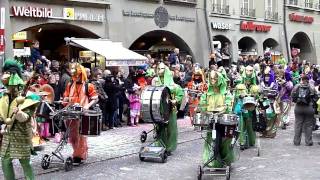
column 1, row 41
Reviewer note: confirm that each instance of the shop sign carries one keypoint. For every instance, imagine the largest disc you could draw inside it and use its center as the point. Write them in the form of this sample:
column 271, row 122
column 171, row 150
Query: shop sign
column 68, row 13
column 125, row 63
column 299, row 18
column 86, row 54
column 2, row 18
column 35, row 12
column 220, row 26
column 161, row 16
column 22, row 35
column 26, row 51
column 71, row 14
column 251, row 26
column 1, row 40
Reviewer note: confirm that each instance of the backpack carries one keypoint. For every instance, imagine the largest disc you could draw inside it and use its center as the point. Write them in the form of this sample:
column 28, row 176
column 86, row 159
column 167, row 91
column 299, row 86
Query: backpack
column 303, row 95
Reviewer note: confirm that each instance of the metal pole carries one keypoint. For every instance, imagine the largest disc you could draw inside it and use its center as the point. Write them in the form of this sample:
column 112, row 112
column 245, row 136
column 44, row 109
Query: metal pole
column 95, row 59
column 285, row 30
column 7, row 33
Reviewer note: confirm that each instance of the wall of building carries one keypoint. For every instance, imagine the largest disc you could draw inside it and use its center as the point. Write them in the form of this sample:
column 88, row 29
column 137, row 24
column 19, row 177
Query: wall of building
column 127, row 29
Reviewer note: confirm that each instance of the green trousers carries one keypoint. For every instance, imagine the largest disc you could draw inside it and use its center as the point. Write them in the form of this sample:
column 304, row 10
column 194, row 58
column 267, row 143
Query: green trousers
column 168, row 133
column 247, row 136
column 226, row 152
column 8, row 171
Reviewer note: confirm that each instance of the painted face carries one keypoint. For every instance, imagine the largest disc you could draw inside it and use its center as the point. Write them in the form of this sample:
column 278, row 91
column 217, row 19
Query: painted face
column 249, row 72
column 161, row 69
column 213, row 77
column 267, row 78
column 73, row 69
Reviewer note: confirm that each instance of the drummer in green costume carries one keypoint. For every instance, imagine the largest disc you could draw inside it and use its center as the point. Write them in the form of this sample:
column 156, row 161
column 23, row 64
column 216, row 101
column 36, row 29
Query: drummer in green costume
column 214, row 101
column 247, row 136
column 16, row 112
column 168, row 134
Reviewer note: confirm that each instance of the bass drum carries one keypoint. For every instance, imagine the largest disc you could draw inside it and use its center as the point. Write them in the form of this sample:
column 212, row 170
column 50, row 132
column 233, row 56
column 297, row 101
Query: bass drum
column 156, row 106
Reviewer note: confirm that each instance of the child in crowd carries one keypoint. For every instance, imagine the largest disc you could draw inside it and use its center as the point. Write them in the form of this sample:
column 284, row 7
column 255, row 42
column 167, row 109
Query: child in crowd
column 135, row 105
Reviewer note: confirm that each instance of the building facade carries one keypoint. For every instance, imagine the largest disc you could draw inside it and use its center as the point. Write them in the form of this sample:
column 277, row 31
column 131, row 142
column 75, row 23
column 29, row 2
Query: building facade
column 303, row 29
column 250, row 27
column 156, row 27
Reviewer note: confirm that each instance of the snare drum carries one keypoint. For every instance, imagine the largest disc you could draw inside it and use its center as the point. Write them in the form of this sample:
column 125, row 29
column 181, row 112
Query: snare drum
column 91, row 123
column 201, row 119
column 228, row 119
column 229, row 123
column 249, row 103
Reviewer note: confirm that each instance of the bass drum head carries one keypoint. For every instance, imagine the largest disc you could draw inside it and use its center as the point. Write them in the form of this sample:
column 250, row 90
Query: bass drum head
column 156, row 105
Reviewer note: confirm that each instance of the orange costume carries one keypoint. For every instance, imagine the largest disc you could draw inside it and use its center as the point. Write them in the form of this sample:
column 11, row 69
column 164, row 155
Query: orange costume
column 197, row 85
column 75, row 93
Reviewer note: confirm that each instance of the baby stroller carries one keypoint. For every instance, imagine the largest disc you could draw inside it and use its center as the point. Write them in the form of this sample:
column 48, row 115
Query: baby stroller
column 217, row 126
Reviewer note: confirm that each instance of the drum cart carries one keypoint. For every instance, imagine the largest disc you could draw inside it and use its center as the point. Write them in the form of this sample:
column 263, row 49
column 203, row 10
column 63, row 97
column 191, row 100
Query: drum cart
column 215, row 119
column 71, row 112
column 156, row 109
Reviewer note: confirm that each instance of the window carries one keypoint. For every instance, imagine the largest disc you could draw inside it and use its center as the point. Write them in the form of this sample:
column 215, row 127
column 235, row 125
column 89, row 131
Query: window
column 308, row 4
column 220, row 6
column 247, row 8
column 293, row 2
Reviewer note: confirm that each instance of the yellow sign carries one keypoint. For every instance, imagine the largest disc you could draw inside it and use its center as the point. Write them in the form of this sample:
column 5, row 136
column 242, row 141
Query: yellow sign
column 86, row 54
column 22, row 35
column 68, row 13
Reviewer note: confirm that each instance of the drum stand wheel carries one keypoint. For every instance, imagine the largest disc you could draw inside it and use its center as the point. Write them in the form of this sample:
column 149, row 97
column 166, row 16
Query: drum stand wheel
column 45, row 162
column 228, row 174
column 200, row 172
column 143, row 136
column 68, row 164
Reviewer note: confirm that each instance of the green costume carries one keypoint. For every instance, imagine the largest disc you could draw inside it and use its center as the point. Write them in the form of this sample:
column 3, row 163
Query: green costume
column 295, row 77
column 214, row 101
column 168, row 134
column 247, row 136
column 17, row 138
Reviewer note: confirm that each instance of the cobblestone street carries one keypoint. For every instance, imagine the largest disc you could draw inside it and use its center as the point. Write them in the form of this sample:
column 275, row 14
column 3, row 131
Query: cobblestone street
column 279, row 159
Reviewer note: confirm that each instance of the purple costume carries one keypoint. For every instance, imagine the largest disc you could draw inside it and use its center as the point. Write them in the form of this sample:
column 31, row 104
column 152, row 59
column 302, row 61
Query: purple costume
column 287, row 87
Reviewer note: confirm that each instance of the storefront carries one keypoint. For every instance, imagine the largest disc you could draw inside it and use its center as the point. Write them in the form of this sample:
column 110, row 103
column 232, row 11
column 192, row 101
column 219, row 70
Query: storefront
column 303, row 34
column 157, row 29
column 50, row 23
column 247, row 37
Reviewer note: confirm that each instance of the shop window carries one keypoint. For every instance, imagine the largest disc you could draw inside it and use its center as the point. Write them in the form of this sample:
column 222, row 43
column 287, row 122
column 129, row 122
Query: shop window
column 220, row 6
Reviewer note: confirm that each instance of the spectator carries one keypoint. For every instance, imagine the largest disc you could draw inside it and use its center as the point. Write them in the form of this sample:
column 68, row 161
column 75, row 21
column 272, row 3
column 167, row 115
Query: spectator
column 64, row 80
column 226, row 55
column 305, row 97
column 135, row 105
column 212, row 60
column 174, row 57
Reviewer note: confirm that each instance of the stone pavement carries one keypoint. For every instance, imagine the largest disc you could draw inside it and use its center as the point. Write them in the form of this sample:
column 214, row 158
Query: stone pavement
column 279, row 160
column 110, row 144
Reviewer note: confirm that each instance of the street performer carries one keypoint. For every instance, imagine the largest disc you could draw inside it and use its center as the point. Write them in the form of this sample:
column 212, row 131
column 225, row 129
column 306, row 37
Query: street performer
column 169, row 133
column 79, row 91
column 16, row 111
column 214, row 101
column 196, row 86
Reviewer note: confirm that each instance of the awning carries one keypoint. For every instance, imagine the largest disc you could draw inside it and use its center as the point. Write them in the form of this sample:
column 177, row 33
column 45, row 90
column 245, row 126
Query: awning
column 114, row 52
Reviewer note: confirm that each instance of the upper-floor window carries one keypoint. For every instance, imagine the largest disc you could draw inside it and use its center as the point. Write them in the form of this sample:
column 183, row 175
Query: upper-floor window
column 220, row 6
column 308, row 4
column 293, row 2
column 247, row 8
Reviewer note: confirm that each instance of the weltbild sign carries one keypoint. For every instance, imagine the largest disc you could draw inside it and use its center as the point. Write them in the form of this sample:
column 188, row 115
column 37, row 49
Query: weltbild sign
column 35, row 12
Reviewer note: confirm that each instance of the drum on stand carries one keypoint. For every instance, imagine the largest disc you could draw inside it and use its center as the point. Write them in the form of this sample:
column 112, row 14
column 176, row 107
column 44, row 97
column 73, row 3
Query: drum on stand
column 249, row 103
column 230, row 122
column 91, row 123
column 156, row 106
